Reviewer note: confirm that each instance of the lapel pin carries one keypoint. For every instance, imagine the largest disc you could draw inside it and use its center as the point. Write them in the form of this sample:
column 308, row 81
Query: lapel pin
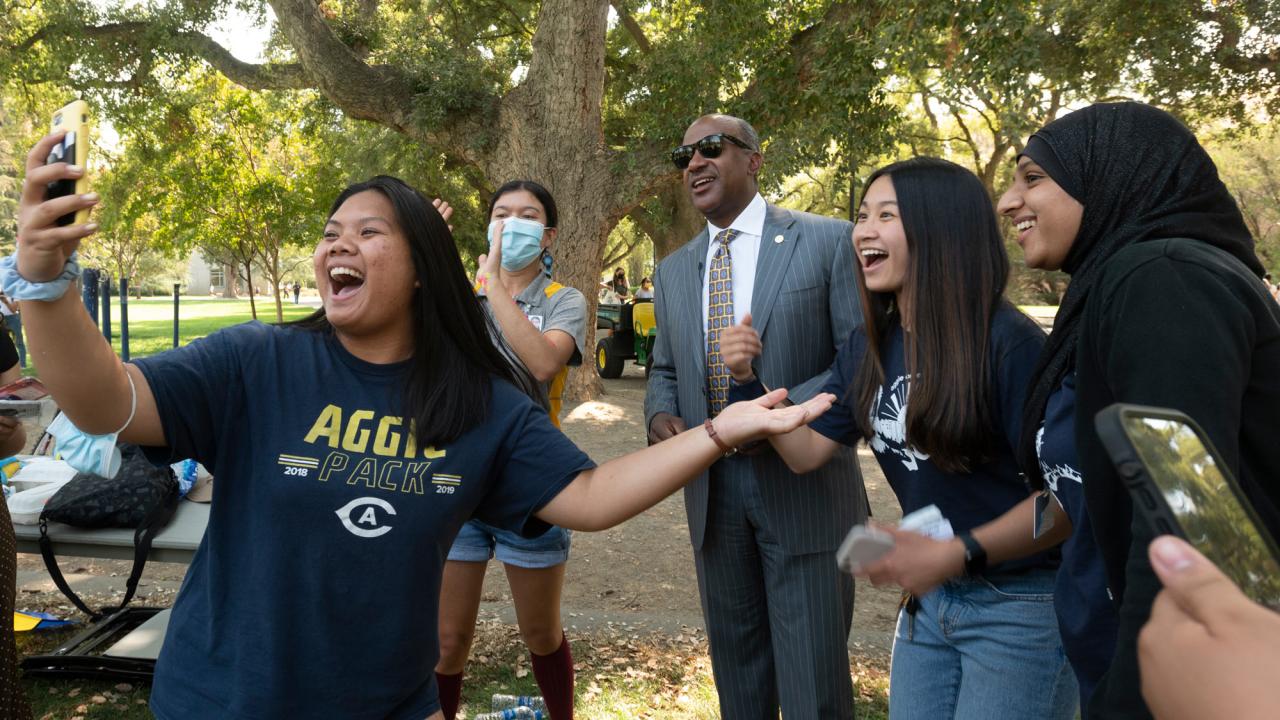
column 777, row 239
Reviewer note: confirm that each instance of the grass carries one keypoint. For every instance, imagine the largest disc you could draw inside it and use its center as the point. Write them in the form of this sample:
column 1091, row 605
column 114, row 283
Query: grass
column 619, row 675
column 627, row 675
column 151, row 320
column 71, row 699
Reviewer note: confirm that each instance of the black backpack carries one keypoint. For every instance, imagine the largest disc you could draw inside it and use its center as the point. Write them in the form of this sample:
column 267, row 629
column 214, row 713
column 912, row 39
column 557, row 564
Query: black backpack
column 141, row 496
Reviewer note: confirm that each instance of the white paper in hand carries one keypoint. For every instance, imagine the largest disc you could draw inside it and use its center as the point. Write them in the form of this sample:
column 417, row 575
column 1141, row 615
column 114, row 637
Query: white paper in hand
column 928, row 521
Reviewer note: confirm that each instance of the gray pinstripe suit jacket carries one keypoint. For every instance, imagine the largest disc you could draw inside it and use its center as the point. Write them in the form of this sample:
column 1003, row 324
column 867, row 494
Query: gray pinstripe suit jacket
column 804, row 305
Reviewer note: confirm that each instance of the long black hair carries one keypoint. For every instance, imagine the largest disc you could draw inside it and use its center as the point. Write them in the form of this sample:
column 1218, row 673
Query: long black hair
column 448, row 385
column 954, row 286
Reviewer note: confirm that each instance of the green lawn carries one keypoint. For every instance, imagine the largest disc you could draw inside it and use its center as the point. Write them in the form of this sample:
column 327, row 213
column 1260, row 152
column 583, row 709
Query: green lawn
column 151, row 320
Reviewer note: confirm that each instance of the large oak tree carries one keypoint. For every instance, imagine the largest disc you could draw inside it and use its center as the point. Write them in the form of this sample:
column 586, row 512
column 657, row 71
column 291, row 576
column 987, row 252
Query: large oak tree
column 588, row 95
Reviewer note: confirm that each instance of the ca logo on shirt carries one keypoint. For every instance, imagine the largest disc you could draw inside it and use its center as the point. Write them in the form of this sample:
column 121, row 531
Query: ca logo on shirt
column 365, row 522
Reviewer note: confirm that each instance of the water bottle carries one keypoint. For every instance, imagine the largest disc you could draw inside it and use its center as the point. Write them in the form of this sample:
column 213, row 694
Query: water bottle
column 520, row 713
column 503, row 702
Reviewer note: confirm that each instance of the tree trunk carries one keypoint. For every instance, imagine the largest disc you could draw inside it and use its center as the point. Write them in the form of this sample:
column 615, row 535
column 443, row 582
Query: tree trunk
column 271, row 254
column 672, row 222
column 549, row 129
column 230, row 278
column 248, row 277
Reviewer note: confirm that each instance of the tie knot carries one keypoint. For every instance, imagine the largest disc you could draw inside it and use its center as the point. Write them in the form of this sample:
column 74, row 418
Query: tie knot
column 724, row 237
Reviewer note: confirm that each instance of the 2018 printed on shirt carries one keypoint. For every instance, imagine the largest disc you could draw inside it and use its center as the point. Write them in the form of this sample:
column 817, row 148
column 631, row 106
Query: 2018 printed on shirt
column 378, row 452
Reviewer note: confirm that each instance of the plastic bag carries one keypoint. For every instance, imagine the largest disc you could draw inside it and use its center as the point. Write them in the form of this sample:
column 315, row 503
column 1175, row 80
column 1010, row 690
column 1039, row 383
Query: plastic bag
column 25, row 506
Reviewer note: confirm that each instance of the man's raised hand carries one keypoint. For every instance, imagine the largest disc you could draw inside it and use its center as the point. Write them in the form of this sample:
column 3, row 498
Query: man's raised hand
column 739, row 345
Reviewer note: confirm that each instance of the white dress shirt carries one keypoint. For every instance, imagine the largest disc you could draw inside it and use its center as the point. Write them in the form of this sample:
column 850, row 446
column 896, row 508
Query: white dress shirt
column 743, row 249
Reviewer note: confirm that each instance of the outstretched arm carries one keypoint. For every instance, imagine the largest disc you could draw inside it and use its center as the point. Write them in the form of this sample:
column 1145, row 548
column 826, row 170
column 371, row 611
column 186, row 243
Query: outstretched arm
column 804, row 449
column 624, row 487
column 80, row 369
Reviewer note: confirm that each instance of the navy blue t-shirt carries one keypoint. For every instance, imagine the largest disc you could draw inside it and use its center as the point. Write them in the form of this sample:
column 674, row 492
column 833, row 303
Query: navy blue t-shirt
column 1086, row 614
column 315, row 590
column 966, row 499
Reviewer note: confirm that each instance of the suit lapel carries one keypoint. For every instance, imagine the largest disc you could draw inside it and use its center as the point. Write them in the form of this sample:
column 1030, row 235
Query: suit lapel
column 771, row 264
column 695, row 267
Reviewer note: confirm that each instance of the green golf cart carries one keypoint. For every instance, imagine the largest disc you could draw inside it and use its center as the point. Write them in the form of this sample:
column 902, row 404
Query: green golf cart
column 627, row 331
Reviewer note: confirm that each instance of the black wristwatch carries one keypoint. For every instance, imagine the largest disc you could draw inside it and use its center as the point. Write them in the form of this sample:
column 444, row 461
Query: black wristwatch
column 975, row 556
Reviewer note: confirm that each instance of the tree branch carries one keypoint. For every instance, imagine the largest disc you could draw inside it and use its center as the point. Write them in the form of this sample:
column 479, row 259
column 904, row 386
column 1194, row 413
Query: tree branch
column 633, row 28
column 362, row 91
column 621, row 254
column 268, row 76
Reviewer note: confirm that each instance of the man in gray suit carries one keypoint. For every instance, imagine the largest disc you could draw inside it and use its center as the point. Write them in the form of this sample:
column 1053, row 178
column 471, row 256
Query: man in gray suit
column 778, row 610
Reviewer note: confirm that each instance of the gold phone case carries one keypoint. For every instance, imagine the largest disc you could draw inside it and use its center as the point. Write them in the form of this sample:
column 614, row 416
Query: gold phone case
column 75, row 119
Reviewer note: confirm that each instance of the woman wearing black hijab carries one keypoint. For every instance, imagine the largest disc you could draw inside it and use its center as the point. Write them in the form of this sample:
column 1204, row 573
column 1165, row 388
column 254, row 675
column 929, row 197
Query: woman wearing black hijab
column 1166, row 307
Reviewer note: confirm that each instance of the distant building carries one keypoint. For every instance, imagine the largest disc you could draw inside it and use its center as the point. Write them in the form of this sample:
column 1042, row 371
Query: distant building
column 203, row 279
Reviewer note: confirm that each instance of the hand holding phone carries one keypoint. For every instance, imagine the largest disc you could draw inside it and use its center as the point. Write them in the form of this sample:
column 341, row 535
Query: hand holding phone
column 1184, row 488
column 72, row 149
column 55, row 203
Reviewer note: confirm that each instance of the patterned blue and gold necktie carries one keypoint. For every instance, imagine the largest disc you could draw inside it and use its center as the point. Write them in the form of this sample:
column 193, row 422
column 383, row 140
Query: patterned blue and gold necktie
column 719, row 317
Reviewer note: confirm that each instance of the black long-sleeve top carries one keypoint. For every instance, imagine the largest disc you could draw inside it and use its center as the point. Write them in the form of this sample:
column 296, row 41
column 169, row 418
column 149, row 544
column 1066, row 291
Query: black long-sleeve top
column 1173, row 323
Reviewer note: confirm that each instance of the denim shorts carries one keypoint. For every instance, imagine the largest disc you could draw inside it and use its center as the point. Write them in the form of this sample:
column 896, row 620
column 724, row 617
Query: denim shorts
column 984, row 647
column 477, row 542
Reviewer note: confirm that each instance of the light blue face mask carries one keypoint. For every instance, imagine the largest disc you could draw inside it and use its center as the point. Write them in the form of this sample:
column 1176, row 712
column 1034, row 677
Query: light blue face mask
column 521, row 241
column 95, row 454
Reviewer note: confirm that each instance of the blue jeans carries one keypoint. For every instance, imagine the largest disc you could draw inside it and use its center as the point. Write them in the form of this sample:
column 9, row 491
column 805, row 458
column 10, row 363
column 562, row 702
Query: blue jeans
column 981, row 648
column 477, row 542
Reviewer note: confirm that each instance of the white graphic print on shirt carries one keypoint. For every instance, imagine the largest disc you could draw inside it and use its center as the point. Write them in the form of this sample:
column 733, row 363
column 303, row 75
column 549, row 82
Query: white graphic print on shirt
column 1052, row 474
column 889, row 425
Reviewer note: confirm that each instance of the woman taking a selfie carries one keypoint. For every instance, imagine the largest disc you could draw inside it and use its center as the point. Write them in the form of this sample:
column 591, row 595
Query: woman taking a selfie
column 1166, row 307
column 544, row 324
column 349, row 449
column 934, row 382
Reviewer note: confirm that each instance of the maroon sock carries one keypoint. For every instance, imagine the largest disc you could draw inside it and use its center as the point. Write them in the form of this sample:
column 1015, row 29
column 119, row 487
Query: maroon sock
column 450, row 687
column 554, row 674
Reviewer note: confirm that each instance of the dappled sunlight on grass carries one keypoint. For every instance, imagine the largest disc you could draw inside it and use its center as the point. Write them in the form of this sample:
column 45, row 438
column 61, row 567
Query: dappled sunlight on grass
column 598, row 412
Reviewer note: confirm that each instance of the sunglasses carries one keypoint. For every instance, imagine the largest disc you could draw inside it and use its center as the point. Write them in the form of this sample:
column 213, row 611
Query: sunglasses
column 710, row 147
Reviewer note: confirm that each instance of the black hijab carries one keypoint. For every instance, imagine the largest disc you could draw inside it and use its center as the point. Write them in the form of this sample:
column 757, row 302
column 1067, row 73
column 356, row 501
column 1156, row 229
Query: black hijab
column 1140, row 175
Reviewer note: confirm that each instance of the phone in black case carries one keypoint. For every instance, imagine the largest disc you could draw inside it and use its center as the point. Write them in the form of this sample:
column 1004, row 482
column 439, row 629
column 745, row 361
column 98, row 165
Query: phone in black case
column 1182, row 486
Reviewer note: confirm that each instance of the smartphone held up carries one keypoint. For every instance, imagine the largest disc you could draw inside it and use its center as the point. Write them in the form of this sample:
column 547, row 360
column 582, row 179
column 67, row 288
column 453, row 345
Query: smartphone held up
column 1183, row 487
column 73, row 150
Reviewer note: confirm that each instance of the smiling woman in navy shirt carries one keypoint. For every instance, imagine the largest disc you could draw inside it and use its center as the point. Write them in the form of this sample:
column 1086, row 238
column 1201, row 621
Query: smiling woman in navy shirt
column 349, row 449
column 934, row 381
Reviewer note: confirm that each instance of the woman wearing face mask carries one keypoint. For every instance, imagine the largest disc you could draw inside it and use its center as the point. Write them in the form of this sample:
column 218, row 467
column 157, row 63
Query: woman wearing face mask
column 1166, row 307
column 544, row 324
column 934, row 381
column 349, row 449
column 619, row 284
